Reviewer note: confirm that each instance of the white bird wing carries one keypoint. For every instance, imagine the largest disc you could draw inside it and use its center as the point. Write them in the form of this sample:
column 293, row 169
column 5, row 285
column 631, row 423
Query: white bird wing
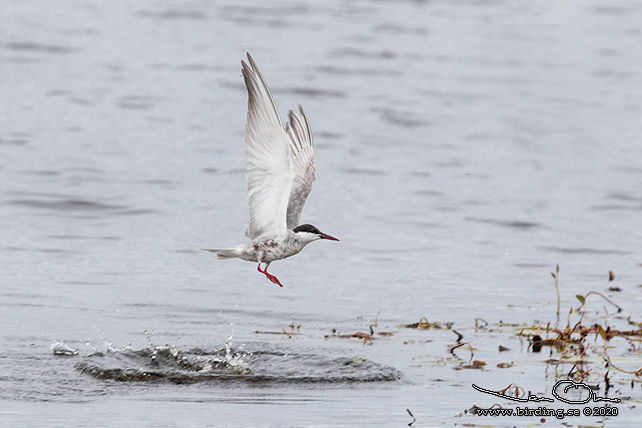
column 303, row 161
column 270, row 169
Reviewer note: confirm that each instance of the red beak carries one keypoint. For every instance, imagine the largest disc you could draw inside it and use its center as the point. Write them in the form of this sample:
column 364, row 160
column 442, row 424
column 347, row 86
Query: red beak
column 331, row 238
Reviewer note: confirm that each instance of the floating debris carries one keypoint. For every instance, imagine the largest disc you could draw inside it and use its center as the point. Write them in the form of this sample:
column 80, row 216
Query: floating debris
column 292, row 330
column 412, row 416
column 363, row 337
column 463, row 344
column 504, row 365
column 280, row 333
column 475, row 364
column 480, row 323
column 424, row 324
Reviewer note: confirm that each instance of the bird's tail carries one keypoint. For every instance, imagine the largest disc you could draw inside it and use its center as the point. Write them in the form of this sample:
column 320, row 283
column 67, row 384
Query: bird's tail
column 228, row 253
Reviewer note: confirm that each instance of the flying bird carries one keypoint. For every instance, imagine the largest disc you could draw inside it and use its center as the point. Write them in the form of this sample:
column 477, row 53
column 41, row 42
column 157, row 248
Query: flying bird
column 280, row 174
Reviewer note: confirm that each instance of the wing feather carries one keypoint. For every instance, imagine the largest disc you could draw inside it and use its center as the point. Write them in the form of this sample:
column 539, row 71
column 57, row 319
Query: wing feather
column 303, row 161
column 270, row 168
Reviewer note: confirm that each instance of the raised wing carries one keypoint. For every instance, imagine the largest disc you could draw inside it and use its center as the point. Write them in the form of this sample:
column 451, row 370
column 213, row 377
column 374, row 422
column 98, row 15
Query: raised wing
column 298, row 130
column 270, row 169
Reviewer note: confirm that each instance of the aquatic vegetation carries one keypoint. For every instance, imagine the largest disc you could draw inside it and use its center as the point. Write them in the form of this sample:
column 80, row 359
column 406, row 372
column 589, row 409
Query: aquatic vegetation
column 587, row 346
column 557, row 289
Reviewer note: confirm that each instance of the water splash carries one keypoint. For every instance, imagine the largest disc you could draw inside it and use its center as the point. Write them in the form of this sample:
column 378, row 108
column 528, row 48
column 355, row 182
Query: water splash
column 61, row 348
column 171, row 364
column 235, row 360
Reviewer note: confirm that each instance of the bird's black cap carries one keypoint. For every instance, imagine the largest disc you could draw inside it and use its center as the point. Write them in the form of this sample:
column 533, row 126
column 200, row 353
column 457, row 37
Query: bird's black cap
column 307, row 228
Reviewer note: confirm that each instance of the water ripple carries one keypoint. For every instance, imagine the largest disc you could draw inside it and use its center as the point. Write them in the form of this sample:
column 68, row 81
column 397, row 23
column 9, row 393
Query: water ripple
column 173, row 14
column 513, row 224
column 598, row 251
column 37, row 47
column 78, row 206
column 66, row 204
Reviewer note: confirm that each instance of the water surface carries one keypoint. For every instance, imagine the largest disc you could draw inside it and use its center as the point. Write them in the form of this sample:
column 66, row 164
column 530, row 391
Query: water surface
column 464, row 149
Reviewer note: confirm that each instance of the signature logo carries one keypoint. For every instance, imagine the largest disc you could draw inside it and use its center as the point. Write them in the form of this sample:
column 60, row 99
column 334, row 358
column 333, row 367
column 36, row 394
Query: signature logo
column 560, row 391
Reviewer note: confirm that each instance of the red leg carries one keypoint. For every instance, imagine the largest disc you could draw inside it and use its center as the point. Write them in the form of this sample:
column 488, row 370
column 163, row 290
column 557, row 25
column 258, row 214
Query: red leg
column 272, row 278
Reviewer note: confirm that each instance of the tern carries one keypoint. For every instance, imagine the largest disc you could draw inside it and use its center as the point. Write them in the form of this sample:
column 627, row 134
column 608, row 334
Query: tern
column 280, row 173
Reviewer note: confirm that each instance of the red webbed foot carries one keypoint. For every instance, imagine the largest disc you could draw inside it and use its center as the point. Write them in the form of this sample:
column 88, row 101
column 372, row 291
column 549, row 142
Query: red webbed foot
column 271, row 277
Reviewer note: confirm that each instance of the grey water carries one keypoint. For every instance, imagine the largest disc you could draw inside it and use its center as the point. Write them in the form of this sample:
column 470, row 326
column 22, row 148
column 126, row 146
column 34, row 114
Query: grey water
column 464, row 149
